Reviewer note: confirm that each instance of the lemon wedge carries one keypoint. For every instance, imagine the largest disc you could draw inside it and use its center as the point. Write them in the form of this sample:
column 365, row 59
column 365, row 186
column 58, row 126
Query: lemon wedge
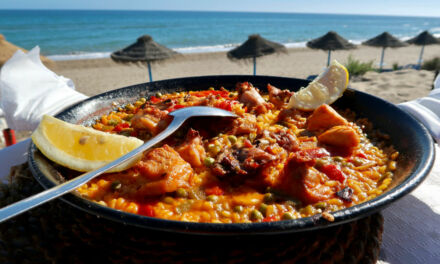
column 81, row 148
column 324, row 89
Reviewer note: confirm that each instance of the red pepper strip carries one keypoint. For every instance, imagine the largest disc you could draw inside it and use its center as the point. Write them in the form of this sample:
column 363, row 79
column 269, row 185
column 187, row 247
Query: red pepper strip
column 154, row 99
column 333, row 172
column 146, row 209
column 121, row 126
column 271, row 218
column 361, row 155
column 247, row 143
column 216, row 190
column 175, row 107
column 223, row 94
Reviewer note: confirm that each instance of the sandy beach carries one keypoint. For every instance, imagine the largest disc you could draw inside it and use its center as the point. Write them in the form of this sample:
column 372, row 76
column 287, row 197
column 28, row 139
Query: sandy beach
column 95, row 76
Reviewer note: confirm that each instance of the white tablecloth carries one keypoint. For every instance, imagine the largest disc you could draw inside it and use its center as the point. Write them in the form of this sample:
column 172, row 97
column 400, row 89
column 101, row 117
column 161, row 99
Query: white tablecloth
column 412, row 224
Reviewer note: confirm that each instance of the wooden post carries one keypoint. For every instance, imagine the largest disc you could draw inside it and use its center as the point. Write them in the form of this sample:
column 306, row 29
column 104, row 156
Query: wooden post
column 328, row 59
column 149, row 71
column 381, row 59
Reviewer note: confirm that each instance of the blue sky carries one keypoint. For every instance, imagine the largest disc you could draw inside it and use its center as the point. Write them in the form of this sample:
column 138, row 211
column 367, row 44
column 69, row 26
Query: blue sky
column 374, row 7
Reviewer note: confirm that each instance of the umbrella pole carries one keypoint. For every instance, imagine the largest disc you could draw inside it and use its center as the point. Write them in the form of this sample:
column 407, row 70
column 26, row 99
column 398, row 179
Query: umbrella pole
column 419, row 63
column 255, row 66
column 381, row 59
column 328, row 59
column 149, row 71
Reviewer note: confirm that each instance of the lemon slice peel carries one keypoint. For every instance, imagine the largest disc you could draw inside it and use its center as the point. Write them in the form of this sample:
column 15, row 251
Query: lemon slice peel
column 82, row 148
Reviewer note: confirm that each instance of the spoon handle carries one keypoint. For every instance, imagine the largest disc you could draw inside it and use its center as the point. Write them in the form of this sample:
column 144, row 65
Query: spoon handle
column 52, row 193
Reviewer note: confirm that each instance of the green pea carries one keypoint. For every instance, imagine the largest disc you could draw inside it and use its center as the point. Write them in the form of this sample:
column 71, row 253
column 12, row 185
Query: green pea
column 338, row 158
column 182, row 193
column 256, row 215
column 263, row 208
column 238, row 209
column 128, row 117
column 112, row 122
column 287, row 216
column 212, row 198
column 269, row 198
column 232, row 139
column 129, row 107
column 208, row 161
column 168, row 200
column 252, row 137
column 321, row 205
column 357, row 162
column 319, row 163
column 214, row 149
column 158, row 95
column 308, row 210
column 291, row 203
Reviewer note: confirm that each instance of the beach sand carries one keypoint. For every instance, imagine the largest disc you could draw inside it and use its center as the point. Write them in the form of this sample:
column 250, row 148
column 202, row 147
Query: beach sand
column 95, row 76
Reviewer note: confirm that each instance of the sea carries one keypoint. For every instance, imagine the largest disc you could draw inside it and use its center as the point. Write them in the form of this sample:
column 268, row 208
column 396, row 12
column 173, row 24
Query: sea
column 80, row 34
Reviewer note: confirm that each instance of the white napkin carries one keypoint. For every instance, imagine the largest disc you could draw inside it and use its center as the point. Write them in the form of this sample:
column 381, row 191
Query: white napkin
column 427, row 110
column 28, row 90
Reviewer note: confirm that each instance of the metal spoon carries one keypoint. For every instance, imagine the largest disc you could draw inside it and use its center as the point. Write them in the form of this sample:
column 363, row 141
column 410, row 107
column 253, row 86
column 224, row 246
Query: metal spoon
column 179, row 117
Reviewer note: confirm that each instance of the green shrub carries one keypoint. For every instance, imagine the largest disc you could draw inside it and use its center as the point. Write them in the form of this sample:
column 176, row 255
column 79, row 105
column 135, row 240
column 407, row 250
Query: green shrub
column 432, row 64
column 395, row 66
column 357, row 68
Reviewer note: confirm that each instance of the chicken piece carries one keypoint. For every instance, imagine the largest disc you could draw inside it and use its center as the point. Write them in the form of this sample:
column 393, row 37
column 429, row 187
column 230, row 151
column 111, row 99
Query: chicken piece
column 304, row 182
column 227, row 164
column 164, row 170
column 244, row 125
column 250, row 97
column 277, row 96
column 192, row 149
column 286, row 140
column 252, row 158
column 151, row 119
column 323, row 118
column 340, row 136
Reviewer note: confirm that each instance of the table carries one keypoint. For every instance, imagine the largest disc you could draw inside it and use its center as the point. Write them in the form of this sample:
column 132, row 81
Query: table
column 412, row 224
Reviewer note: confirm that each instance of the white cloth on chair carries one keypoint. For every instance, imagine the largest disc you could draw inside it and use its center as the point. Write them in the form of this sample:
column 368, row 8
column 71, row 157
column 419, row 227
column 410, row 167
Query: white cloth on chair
column 28, row 90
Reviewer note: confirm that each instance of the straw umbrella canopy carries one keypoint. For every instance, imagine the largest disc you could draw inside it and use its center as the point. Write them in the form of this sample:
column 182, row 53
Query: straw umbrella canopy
column 384, row 40
column 255, row 46
column 330, row 41
column 423, row 39
column 143, row 50
column 8, row 49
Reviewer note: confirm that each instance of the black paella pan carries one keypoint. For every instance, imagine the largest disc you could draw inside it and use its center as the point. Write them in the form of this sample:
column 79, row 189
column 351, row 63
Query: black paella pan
column 408, row 136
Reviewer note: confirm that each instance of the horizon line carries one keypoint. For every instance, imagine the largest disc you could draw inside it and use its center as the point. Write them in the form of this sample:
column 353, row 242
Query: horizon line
column 213, row 11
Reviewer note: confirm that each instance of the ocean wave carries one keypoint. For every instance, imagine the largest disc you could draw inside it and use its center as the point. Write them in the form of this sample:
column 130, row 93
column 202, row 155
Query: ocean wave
column 80, row 56
column 206, row 49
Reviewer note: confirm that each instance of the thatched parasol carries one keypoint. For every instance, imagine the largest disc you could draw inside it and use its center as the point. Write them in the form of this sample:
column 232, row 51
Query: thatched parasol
column 424, row 38
column 384, row 40
column 8, row 49
column 255, row 46
column 330, row 41
column 143, row 50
